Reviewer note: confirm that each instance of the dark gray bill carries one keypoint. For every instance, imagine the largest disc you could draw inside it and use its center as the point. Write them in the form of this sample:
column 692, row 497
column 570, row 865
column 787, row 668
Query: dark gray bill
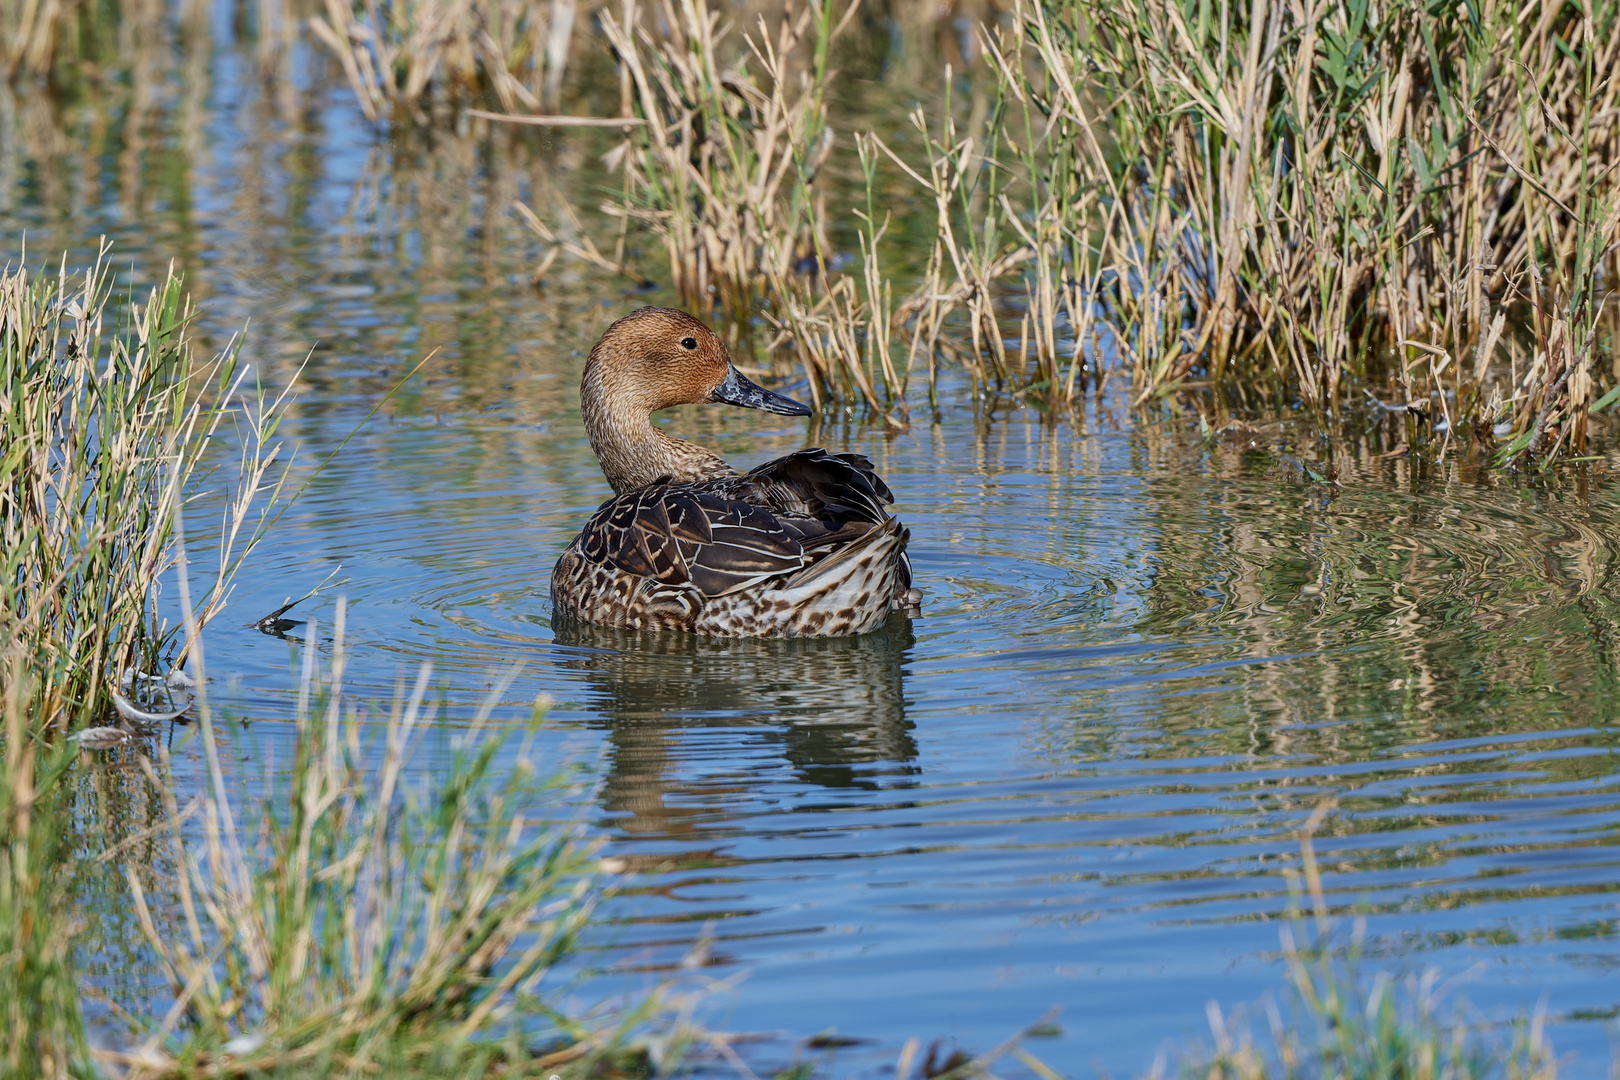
column 738, row 389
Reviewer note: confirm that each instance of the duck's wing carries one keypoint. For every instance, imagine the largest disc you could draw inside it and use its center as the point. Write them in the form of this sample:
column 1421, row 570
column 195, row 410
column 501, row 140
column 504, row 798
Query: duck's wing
column 818, row 485
column 687, row 537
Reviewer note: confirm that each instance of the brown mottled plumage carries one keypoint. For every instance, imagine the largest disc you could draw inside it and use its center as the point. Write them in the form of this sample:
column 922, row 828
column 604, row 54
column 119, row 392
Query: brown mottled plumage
column 800, row 547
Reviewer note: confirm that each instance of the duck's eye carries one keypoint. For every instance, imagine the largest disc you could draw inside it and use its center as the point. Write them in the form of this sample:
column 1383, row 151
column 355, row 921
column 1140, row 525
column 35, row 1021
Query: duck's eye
column 688, row 342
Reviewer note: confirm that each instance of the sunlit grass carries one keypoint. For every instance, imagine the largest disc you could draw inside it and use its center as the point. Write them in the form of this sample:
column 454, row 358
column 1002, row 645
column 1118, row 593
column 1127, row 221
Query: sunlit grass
column 361, row 915
column 108, row 419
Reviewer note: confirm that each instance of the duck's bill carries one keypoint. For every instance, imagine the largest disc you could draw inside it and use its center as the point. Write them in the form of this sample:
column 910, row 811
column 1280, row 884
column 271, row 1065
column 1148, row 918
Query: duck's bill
column 738, row 389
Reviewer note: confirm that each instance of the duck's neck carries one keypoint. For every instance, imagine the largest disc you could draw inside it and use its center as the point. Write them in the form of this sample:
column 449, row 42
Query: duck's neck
column 633, row 453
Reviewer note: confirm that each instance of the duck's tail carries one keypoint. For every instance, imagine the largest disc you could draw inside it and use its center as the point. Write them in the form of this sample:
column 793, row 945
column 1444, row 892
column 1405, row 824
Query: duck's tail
column 853, row 589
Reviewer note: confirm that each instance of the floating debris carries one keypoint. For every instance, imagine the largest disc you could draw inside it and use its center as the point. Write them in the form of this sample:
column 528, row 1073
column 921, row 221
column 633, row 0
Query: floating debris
column 100, row 738
column 273, row 623
column 130, row 711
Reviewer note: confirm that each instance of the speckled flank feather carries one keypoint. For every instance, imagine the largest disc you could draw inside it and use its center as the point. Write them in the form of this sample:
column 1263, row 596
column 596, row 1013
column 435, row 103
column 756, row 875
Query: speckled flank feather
column 802, row 546
column 851, row 594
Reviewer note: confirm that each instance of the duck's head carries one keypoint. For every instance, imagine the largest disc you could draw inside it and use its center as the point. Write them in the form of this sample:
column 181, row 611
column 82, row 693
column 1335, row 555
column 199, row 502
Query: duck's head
column 656, row 358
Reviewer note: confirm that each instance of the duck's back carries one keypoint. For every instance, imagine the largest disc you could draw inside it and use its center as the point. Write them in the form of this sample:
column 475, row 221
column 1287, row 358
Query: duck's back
column 801, row 546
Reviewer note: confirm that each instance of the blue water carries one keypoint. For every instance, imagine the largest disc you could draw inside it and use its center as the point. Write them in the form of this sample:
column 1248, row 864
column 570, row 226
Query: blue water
column 1144, row 657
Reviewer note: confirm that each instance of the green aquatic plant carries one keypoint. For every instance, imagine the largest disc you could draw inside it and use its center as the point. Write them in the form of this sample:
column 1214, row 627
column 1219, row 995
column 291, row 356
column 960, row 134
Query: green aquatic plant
column 1341, row 1026
column 355, row 919
column 108, row 419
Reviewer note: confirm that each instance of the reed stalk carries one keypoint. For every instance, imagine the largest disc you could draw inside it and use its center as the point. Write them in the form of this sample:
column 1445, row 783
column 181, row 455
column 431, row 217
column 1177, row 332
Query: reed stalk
column 724, row 171
column 109, row 419
column 357, row 919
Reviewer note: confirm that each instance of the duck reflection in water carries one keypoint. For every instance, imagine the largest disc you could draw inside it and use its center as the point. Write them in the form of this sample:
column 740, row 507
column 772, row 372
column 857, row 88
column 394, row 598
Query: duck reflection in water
column 832, row 708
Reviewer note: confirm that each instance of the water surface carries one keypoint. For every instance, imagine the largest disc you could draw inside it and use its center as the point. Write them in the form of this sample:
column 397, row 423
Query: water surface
column 1145, row 657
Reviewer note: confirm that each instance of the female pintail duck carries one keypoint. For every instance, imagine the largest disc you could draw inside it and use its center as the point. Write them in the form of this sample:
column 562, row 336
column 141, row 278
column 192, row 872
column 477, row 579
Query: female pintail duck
column 799, row 547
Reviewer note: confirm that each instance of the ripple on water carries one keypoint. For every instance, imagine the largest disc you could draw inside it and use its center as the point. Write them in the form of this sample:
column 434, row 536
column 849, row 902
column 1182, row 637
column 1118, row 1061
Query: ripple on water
column 1078, row 778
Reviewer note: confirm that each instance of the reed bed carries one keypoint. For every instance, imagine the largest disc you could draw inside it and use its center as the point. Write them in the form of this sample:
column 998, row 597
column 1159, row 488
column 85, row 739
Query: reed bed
column 1287, row 204
column 1290, row 199
column 358, row 919
column 724, row 166
column 1280, row 204
column 109, row 419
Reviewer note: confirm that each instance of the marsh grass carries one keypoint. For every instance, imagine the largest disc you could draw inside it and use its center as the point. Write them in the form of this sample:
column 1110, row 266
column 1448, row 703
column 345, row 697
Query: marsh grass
column 106, row 422
column 1340, row 1025
column 109, row 421
column 357, row 917
column 1285, row 199
column 724, row 170
column 1281, row 203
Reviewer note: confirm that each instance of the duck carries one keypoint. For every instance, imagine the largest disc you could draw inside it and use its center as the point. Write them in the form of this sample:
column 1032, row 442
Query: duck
column 801, row 546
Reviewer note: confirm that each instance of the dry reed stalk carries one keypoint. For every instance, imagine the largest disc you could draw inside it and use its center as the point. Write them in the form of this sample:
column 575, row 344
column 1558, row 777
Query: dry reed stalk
column 1306, row 192
column 843, row 336
column 724, row 171
column 966, row 263
column 374, row 924
column 106, row 429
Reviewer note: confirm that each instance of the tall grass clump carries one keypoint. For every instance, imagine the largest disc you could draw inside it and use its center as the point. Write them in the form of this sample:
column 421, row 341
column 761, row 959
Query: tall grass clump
column 355, row 922
column 107, row 416
column 1291, row 197
column 1340, row 1027
column 724, row 168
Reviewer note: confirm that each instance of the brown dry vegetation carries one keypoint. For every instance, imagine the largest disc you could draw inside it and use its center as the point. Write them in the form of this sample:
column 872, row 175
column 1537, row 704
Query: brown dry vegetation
column 1315, row 196
column 1281, row 203
column 1289, row 203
